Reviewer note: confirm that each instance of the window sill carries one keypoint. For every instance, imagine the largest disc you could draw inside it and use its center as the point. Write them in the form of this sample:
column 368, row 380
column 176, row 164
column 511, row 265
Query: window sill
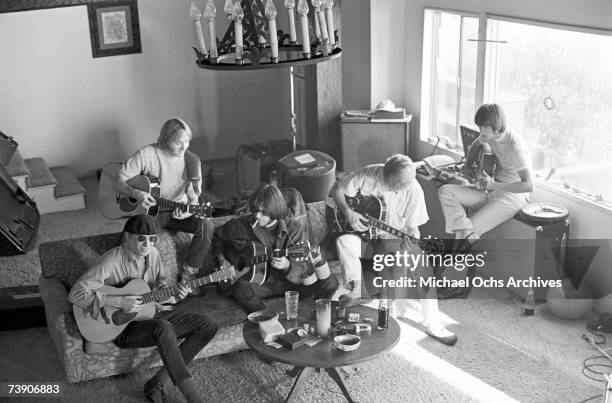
column 556, row 188
column 587, row 201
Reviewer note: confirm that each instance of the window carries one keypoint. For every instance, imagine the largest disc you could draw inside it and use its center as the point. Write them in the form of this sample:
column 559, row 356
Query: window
column 554, row 82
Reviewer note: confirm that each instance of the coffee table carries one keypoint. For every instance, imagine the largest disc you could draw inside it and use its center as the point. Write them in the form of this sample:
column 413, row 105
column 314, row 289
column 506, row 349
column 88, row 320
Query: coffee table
column 322, row 355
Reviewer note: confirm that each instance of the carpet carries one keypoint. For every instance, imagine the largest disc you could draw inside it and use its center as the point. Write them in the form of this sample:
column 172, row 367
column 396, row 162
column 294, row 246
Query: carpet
column 234, row 377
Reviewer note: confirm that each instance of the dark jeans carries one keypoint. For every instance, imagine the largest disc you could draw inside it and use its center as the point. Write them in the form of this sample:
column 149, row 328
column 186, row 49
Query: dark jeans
column 251, row 296
column 163, row 331
column 202, row 230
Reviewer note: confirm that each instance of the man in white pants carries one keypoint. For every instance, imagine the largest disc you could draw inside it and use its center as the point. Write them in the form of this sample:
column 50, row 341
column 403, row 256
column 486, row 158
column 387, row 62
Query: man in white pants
column 495, row 200
column 395, row 183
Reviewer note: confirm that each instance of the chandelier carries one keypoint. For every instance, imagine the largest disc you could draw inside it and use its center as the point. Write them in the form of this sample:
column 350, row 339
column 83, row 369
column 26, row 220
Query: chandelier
column 252, row 41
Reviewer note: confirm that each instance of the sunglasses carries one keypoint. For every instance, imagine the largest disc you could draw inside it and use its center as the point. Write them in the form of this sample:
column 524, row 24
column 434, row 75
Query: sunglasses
column 143, row 238
column 262, row 212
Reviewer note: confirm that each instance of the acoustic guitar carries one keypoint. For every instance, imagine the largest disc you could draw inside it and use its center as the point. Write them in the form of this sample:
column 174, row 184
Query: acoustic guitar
column 111, row 321
column 116, row 205
column 374, row 209
column 251, row 258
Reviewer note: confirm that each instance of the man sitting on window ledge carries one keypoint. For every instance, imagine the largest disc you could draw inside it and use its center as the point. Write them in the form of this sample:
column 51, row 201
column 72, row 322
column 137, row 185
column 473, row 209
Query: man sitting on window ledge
column 496, row 200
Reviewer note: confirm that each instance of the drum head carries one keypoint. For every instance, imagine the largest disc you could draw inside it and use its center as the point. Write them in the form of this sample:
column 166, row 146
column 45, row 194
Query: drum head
column 545, row 212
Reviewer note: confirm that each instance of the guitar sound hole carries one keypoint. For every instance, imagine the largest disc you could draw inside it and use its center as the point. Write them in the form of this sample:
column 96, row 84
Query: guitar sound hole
column 120, row 317
column 127, row 204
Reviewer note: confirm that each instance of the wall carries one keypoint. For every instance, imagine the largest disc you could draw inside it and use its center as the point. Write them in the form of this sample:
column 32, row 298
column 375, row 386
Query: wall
column 396, row 37
column 60, row 103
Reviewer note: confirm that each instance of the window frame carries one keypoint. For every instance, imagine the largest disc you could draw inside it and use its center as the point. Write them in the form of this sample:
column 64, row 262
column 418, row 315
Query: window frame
column 482, row 84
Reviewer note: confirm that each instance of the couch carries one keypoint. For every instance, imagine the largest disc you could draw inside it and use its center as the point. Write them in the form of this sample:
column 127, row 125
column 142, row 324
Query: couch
column 63, row 262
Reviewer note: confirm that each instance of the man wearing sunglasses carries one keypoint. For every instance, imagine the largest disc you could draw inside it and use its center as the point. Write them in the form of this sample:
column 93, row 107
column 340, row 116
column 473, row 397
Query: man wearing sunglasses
column 137, row 258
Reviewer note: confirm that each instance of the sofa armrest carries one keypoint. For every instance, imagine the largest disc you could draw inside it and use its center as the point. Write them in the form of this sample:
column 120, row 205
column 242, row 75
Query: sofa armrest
column 55, row 299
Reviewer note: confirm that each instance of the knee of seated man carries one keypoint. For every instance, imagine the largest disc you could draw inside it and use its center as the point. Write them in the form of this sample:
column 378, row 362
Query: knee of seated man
column 164, row 329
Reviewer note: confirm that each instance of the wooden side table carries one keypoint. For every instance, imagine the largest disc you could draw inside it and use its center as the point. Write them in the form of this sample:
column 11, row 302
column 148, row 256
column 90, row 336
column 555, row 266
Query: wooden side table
column 323, row 355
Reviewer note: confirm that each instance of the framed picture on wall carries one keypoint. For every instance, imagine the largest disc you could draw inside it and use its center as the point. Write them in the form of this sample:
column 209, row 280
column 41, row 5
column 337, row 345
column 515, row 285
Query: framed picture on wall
column 113, row 28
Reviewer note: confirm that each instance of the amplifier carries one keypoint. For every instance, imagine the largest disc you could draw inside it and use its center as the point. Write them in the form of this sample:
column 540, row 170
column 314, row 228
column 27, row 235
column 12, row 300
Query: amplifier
column 21, row 307
column 257, row 161
column 8, row 146
column 19, row 217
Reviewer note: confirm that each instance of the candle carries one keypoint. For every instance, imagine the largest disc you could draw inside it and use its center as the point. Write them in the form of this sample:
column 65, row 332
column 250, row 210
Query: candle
column 195, row 15
column 302, row 10
column 290, row 4
column 316, row 22
column 210, row 12
column 270, row 11
column 319, row 16
column 228, row 9
column 238, row 16
column 329, row 13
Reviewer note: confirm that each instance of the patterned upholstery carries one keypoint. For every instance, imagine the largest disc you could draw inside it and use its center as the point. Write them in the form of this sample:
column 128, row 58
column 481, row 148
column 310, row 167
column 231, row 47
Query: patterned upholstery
column 63, row 262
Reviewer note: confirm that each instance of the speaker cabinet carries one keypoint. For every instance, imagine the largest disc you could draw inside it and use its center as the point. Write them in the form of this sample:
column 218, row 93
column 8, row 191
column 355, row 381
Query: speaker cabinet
column 371, row 142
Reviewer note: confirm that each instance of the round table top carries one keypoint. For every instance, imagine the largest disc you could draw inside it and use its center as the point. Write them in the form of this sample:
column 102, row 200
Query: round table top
column 324, row 354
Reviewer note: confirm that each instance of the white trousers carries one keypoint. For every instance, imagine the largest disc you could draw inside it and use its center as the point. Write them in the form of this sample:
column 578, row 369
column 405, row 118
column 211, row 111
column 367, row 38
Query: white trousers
column 351, row 248
column 492, row 209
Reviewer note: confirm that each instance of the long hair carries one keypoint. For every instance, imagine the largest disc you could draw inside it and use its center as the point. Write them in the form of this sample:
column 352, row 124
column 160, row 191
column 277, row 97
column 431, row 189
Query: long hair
column 270, row 200
column 169, row 132
column 398, row 171
column 491, row 115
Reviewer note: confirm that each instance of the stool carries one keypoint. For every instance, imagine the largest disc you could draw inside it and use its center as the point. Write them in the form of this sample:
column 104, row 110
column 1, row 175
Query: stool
column 311, row 172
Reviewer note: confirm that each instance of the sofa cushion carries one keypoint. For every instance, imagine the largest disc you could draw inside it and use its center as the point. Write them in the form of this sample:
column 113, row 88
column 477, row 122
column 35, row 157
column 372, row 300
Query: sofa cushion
column 68, row 259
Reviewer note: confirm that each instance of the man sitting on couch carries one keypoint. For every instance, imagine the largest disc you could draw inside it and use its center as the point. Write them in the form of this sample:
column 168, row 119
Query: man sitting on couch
column 269, row 225
column 137, row 258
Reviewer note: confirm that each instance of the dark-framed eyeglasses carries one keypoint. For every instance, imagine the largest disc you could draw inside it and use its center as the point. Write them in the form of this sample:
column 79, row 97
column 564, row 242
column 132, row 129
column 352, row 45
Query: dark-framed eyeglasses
column 143, row 238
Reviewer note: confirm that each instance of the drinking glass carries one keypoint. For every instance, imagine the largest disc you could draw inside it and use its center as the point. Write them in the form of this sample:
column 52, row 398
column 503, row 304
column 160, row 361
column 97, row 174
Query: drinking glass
column 323, row 309
column 291, row 304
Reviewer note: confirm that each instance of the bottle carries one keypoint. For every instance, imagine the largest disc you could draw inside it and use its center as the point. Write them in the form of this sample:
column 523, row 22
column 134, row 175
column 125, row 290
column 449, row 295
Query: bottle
column 383, row 314
column 274, row 178
column 529, row 306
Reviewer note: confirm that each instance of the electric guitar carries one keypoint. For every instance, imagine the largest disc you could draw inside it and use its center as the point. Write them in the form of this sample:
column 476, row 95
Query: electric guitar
column 479, row 163
column 374, row 209
column 251, row 258
column 111, row 321
column 116, row 205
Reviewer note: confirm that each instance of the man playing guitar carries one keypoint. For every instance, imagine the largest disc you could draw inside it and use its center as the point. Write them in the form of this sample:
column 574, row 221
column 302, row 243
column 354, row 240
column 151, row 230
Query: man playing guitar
column 137, row 258
column 179, row 172
column 269, row 224
column 394, row 182
column 496, row 200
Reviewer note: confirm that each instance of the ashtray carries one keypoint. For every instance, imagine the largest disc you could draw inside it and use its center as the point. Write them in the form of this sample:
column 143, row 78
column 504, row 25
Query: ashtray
column 347, row 342
column 260, row 316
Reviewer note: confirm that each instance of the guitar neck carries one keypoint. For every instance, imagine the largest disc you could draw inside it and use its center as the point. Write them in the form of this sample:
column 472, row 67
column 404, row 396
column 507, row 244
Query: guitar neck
column 394, row 231
column 166, row 292
column 170, row 205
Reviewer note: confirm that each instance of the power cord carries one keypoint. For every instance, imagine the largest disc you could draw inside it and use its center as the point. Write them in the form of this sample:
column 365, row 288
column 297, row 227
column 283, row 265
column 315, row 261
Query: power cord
column 597, row 367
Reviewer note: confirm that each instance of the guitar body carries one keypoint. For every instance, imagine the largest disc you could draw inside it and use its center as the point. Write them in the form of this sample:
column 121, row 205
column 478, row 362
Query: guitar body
column 478, row 161
column 97, row 330
column 115, row 205
column 243, row 254
column 371, row 206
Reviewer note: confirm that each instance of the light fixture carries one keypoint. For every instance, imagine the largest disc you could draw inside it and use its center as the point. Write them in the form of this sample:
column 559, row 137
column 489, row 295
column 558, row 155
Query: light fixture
column 252, row 41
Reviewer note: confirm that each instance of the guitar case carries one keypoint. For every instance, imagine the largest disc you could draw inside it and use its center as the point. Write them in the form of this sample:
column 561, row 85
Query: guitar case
column 19, row 217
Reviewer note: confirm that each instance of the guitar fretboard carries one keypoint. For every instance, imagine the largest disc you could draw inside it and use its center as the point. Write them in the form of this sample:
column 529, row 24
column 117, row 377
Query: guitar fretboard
column 277, row 253
column 426, row 244
column 171, row 205
column 166, row 292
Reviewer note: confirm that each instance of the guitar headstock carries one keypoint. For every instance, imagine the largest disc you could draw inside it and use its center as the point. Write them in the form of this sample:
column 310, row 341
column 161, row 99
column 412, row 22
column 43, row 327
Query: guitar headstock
column 299, row 251
column 224, row 274
column 203, row 210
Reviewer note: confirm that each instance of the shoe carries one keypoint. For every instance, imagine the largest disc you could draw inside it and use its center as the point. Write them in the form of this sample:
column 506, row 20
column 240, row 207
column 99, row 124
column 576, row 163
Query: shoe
column 466, row 245
column 346, row 300
column 154, row 392
column 442, row 334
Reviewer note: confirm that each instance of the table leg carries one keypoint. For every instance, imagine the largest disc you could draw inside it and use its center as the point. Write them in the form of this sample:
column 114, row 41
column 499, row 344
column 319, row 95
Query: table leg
column 304, row 373
column 293, row 372
column 335, row 375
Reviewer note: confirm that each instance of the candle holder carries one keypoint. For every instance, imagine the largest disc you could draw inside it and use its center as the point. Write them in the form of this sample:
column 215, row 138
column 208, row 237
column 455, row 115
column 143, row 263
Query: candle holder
column 257, row 54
